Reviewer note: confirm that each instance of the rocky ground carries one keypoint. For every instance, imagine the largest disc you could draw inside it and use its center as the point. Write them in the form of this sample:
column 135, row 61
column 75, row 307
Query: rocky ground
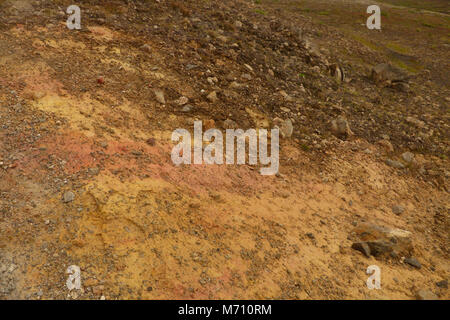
column 86, row 178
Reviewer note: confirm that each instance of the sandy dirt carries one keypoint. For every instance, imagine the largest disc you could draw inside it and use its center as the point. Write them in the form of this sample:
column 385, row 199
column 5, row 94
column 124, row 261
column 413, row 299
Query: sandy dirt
column 79, row 119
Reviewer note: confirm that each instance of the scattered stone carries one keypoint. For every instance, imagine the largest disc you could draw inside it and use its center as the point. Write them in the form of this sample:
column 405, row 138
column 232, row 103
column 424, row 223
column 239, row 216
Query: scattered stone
column 426, row 295
column 159, row 94
column 94, row 170
column 230, row 124
column 146, row 48
column 69, row 196
column 413, row 262
column 100, row 80
column 398, row 210
column 212, row 80
column 235, row 85
column 395, row 164
column 400, row 86
column 337, row 72
column 310, row 235
column 340, row 128
column 182, row 101
column 151, row 141
column 212, row 97
column 385, row 72
column 190, row 67
column 238, row 24
column 285, row 126
column 408, row 157
column 187, row 108
column 387, row 145
column 249, row 68
column 442, row 284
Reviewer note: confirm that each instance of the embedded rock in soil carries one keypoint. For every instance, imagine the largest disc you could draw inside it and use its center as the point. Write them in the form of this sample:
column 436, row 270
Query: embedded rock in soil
column 382, row 241
column 69, row 196
column 426, row 295
column 385, row 72
column 341, row 128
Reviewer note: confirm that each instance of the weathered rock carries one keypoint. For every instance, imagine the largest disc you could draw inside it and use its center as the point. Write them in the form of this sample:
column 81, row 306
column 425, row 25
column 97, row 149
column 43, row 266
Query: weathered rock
column 362, row 247
column 442, row 284
column 94, row 170
column 159, row 96
column 408, row 157
column 395, row 164
column 400, row 86
column 182, row 101
column 69, row 196
column 385, row 72
column 387, row 145
column 235, row 85
column 413, row 262
column 382, row 241
column 340, row 128
column 426, row 295
column 151, row 141
column 337, row 72
column 230, row 124
column 249, row 68
column 212, row 80
column 398, row 210
column 285, row 126
column 146, row 48
column 212, row 97
column 187, row 108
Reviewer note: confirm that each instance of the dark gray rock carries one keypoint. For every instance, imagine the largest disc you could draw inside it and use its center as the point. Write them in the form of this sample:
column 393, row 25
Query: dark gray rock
column 413, row 262
column 362, row 247
column 442, row 284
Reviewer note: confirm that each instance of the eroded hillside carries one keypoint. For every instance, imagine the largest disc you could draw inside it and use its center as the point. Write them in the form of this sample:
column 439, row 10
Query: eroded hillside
column 86, row 176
